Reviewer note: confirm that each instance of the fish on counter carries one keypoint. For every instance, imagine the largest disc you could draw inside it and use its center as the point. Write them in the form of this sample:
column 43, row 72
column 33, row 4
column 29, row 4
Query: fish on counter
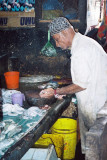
column 50, row 84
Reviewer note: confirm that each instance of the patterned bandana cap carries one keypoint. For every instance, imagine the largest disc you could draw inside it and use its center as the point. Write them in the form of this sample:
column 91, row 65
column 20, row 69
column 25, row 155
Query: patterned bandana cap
column 58, row 24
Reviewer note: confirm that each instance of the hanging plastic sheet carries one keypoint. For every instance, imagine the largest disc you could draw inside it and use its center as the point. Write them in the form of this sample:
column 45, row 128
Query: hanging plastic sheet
column 102, row 31
column 52, row 5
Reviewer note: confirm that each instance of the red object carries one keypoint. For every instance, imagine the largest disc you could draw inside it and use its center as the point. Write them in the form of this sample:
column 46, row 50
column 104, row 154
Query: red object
column 12, row 79
column 54, row 91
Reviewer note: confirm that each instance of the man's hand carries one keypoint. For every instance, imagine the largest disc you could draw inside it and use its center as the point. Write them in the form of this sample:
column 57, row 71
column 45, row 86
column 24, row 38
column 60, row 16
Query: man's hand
column 59, row 96
column 47, row 93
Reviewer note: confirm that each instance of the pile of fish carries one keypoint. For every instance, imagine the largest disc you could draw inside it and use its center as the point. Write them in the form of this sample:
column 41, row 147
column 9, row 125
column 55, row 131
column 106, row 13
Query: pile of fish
column 17, row 121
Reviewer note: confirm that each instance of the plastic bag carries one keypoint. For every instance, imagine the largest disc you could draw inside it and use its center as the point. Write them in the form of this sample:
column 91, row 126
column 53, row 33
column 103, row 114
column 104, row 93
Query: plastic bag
column 48, row 50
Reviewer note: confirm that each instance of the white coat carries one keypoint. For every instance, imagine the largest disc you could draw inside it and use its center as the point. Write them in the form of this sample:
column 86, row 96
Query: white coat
column 89, row 70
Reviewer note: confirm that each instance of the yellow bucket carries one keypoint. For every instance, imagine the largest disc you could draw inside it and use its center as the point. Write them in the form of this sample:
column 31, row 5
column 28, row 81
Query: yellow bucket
column 46, row 139
column 67, row 128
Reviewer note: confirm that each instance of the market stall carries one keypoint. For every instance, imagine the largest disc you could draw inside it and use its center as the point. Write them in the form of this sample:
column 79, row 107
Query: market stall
column 23, row 30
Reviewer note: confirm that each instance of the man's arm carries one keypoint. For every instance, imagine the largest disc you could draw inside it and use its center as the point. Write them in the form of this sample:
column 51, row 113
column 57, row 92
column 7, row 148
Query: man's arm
column 70, row 89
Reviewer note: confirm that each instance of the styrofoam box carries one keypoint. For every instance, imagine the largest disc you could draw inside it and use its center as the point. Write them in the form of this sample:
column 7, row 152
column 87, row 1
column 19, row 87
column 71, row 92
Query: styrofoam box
column 41, row 154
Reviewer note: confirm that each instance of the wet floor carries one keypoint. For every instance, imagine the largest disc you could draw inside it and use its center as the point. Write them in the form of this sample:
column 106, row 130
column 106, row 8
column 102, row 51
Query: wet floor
column 78, row 154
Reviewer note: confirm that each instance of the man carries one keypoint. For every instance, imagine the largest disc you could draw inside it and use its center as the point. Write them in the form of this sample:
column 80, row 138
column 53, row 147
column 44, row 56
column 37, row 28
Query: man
column 88, row 71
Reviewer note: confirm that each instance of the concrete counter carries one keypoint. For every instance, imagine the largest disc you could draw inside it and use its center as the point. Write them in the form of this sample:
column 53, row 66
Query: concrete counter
column 21, row 147
column 96, row 142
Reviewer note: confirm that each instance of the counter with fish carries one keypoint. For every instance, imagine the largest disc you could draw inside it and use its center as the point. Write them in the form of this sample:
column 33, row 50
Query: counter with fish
column 21, row 126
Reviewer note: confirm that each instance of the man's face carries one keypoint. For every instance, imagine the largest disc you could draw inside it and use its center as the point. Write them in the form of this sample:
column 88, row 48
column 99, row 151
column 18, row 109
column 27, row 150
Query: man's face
column 61, row 41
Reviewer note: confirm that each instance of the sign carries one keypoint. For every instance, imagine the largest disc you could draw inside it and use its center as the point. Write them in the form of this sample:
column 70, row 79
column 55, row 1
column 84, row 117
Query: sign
column 17, row 19
column 17, row 13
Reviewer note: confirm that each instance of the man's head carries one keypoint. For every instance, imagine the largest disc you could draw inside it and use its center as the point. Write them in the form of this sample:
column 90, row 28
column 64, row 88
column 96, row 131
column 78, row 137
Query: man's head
column 62, row 32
